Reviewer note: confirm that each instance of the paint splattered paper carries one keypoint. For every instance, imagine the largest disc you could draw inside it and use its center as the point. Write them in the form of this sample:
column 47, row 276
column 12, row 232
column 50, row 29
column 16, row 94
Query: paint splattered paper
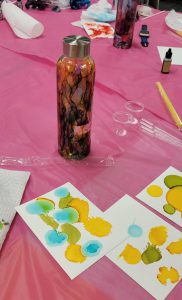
column 164, row 194
column 70, row 227
column 151, row 251
column 98, row 30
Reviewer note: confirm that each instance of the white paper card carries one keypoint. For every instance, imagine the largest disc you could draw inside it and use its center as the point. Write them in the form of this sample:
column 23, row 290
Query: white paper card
column 176, row 57
column 164, row 194
column 98, row 30
column 23, row 25
column 151, row 266
column 84, row 239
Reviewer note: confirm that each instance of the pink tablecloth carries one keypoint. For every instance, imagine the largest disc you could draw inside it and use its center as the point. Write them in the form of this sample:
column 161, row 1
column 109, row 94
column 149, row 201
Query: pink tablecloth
column 28, row 127
column 125, row 65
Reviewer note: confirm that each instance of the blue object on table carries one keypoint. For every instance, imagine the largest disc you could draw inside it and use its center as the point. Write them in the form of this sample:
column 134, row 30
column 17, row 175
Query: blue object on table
column 77, row 4
column 144, row 34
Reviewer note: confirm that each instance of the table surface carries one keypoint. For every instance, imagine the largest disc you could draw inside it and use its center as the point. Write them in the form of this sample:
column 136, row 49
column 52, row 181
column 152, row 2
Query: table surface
column 28, row 128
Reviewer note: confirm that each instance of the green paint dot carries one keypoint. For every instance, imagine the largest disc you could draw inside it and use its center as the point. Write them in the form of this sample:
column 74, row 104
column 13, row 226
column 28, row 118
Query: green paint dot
column 172, row 180
column 49, row 221
column 72, row 232
column 1, row 225
column 64, row 202
column 169, row 209
column 46, row 205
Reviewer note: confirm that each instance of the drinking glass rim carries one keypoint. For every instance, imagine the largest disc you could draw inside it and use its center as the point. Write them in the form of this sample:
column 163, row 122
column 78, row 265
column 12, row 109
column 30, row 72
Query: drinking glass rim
column 137, row 103
column 118, row 113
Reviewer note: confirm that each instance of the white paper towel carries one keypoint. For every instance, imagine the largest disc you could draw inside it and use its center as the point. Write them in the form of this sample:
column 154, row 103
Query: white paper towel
column 174, row 21
column 23, row 25
column 12, row 185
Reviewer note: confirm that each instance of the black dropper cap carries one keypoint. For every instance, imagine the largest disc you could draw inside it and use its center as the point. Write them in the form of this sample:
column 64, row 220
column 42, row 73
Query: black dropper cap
column 169, row 53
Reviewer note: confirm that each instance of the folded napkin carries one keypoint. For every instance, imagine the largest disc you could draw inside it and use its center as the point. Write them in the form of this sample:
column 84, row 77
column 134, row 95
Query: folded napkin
column 174, row 21
column 101, row 12
column 23, row 25
column 12, row 185
column 144, row 10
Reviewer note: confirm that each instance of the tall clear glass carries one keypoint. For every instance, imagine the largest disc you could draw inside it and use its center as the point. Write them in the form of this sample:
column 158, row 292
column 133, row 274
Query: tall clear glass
column 125, row 22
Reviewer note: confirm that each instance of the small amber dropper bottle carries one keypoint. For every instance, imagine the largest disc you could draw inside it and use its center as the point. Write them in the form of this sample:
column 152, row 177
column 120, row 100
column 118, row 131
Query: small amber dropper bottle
column 167, row 62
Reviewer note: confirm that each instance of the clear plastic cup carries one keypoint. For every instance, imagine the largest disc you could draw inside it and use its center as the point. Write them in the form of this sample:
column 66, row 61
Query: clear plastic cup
column 121, row 121
column 136, row 109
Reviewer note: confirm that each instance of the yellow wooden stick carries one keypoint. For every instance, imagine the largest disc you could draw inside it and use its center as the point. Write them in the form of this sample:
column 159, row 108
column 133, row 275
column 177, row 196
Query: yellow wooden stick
column 169, row 105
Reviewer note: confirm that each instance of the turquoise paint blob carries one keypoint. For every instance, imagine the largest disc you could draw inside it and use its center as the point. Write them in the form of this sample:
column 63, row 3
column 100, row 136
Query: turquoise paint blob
column 62, row 192
column 135, row 231
column 91, row 248
column 54, row 238
column 34, row 209
column 40, row 207
column 66, row 215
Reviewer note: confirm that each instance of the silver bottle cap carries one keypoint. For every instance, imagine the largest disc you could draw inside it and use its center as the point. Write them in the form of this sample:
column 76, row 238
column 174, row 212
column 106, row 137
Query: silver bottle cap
column 76, row 46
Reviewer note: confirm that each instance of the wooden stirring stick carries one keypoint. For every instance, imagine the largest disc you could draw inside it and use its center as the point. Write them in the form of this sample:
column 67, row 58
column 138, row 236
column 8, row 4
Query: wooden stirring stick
column 169, row 105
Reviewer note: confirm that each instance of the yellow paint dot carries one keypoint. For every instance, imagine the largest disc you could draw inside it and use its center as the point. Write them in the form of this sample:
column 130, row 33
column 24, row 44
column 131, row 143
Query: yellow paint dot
column 155, row 191
column 158, row 235
column 165, row 274
column 174, row 198
column 98, row 226
column 82, row 208
column 73, row 253
column 131, row 255
column 175, row 247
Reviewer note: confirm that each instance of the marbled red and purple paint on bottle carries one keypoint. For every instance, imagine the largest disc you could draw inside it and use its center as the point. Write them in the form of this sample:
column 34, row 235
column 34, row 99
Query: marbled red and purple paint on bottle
column 75, row 83
column 125, row 22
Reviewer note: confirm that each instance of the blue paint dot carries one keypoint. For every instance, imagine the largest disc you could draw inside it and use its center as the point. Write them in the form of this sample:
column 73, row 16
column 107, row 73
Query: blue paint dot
column 91, row 248
column 61, row 192
column 54, row 238
column 34, row 208
column 135, row 231
column 66, row 215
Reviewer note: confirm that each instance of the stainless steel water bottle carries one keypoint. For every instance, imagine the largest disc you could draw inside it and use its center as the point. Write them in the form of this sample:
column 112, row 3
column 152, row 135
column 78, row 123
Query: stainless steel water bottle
column 75, row 85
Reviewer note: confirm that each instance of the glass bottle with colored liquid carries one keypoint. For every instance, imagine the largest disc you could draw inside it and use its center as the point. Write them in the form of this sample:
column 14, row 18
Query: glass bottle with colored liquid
column 75, row 85
column 125, row 22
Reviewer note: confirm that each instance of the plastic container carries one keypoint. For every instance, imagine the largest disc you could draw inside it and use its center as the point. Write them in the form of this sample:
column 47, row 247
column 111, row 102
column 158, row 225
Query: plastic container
column 121, row 122
column 136, row 108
